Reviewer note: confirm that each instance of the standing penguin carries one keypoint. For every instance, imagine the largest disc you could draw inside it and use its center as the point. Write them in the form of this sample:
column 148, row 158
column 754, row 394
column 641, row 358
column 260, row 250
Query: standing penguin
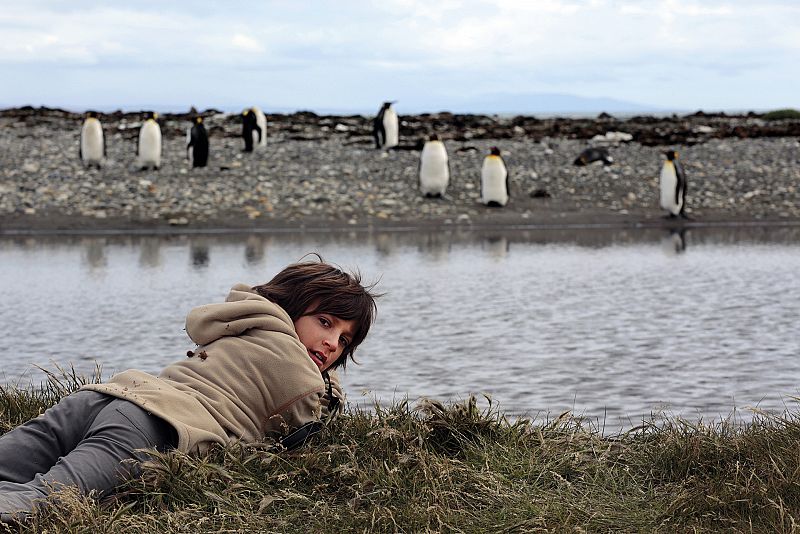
column 494, row 180
column 261, row 120
column 673, row 186
column 197, row 143
column 434, row 168
column 252, row 132
column 148, row 148
column 385, row 127
column 93, row 141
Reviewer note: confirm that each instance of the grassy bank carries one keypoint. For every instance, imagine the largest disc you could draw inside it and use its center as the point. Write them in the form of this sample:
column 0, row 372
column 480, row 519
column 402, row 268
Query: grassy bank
column 456, row 468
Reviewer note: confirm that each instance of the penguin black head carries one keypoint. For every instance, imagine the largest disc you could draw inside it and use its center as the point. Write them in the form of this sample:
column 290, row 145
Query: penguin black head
column 198, row 120
column 150, row 115
column 671, row 155
column 386, row 105
column 91, row 114
column 494, row 151
column 433, row 137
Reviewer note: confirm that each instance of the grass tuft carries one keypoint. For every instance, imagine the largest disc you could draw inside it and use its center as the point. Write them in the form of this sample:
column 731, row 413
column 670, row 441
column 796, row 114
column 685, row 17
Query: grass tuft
column 456, row 468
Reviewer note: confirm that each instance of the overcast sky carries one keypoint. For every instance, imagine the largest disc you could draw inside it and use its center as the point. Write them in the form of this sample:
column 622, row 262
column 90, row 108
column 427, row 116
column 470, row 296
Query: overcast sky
column 426, row 54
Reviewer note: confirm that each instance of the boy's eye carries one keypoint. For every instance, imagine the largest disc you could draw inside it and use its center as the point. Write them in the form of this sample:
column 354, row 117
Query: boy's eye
column 324, row 322
column 343, row 341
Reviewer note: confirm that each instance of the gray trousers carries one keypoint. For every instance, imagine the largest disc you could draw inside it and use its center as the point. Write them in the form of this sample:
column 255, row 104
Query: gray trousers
column 87, row 440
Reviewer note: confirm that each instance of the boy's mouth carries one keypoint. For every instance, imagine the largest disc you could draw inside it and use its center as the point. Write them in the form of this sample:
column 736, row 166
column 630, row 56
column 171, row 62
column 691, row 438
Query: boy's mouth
column 317, row 357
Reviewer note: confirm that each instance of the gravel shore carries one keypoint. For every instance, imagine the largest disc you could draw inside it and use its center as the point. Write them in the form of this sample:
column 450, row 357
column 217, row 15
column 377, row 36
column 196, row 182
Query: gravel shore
column 323, row 171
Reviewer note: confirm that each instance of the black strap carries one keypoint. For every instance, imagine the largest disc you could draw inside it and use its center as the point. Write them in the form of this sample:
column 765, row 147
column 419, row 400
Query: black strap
column 299, row 436
column 333, row 401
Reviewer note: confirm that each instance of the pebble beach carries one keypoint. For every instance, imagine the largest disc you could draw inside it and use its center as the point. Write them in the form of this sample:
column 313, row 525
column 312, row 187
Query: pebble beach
column 324, row 172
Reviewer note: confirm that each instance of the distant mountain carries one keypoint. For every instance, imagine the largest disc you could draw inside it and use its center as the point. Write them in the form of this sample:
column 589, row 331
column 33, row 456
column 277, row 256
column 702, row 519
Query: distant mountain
column 490, row 103
column 542, row 103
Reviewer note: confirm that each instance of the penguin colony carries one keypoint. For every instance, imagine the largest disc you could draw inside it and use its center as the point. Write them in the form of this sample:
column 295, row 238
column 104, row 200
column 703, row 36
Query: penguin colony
column 434, row 166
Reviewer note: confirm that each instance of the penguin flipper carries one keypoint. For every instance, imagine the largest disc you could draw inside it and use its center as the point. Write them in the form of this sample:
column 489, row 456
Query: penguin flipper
column 378, row 131
column 682, row 185
column 380, row 135
column 105, row 147
column 508, row 186
column 449, row 176
column 419, row 174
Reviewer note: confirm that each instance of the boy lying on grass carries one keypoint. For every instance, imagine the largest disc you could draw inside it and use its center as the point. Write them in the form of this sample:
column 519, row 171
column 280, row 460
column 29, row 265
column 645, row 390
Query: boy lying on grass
column 261, row 369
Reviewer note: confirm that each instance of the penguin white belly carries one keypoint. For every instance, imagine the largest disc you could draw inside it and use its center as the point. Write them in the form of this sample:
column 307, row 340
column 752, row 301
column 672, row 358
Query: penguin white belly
column 189, row 149
column 150, row 145
column 261, row 120
column 493, row 181
column 92, row 142
column 669, row 185
column 434, row 174
column 392, row 128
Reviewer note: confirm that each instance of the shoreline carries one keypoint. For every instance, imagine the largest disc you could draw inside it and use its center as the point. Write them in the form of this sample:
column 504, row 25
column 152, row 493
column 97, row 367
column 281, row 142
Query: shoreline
column 77, row 226
column 323, row 172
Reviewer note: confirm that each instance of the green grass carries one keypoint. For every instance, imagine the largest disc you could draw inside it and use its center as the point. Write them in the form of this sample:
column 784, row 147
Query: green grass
column 780, row 114
column 457, row 468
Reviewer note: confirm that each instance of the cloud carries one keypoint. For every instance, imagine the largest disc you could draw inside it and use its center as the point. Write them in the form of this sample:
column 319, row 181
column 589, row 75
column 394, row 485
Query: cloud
column 617, row 46
column 246, row 43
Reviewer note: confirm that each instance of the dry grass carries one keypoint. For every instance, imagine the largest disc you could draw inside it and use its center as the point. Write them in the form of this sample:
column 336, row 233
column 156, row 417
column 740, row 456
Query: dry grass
column 458, row 468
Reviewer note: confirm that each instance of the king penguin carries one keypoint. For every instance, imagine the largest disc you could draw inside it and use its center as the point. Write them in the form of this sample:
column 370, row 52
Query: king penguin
column 590, row 155
column 93, row 141
column 673, row 186
column 197, row 143
column 494, row 180
column 261, row 120
column 434, row 168
column 148, row 149
column 254, row 129
column 385, row 128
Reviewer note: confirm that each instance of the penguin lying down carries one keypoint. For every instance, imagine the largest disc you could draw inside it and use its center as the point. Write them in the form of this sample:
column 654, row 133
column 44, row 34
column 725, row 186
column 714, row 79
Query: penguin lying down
column 590, row 155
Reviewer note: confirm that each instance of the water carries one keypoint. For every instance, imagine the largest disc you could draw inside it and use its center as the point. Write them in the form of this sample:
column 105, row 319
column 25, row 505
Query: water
column 609, row 324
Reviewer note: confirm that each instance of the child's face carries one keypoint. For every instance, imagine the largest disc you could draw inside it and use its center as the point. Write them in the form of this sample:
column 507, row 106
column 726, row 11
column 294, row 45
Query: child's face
column 325, row 337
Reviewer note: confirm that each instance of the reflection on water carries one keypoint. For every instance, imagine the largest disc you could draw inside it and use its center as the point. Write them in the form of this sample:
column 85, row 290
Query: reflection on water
column 609, row 324
column 675, row 241
column 254, row 249
column 200, row 253
column 150, row 252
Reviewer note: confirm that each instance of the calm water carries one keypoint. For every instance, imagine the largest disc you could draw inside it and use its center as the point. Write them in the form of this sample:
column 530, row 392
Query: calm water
column 612, row 325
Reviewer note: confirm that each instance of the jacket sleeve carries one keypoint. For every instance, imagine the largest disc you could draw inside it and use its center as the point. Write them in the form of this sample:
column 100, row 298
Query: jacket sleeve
column 302, row 410
column 331, row 404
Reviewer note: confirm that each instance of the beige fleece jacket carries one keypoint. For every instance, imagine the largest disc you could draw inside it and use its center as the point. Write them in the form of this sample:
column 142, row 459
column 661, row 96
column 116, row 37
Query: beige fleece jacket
column 250, row 377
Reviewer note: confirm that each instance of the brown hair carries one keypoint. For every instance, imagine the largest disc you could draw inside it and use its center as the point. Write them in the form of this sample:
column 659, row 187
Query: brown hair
column 330, row 290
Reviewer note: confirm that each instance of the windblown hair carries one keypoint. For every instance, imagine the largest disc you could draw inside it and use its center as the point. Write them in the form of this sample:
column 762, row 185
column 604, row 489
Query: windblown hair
column 327, row 289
